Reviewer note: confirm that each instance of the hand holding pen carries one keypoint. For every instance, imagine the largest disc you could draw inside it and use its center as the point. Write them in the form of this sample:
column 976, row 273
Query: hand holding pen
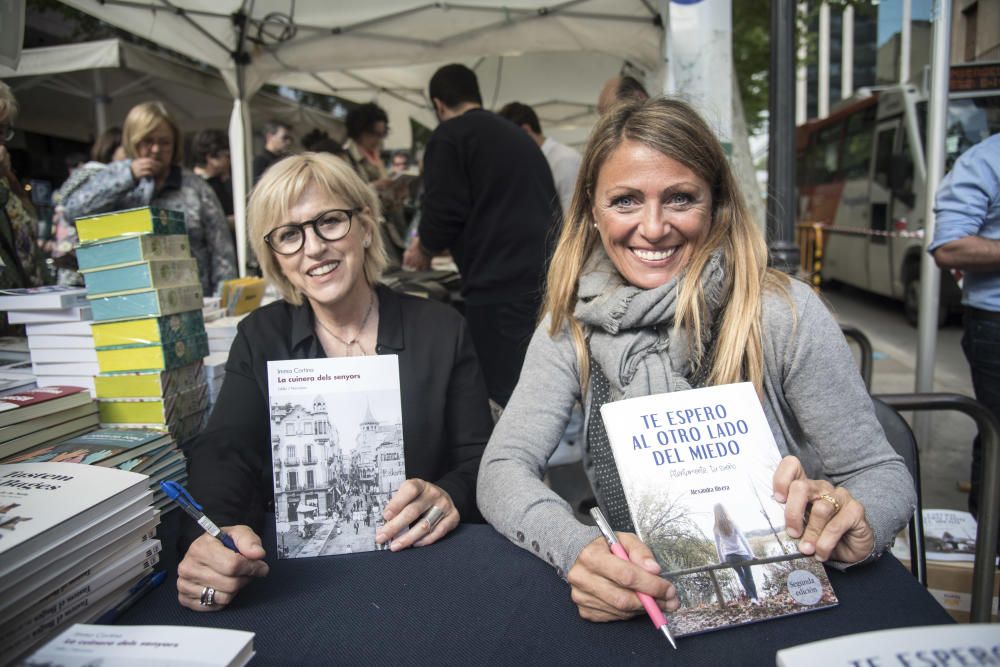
column 605, row 587
column 212, row 572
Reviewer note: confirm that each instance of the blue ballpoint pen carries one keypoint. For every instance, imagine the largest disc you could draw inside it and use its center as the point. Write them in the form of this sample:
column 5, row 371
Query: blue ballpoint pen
column 143, row 586
column 179, row 494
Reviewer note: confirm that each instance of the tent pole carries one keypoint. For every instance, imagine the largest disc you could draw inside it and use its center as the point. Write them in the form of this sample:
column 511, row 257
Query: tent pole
column 930, row 275
column 100, row 104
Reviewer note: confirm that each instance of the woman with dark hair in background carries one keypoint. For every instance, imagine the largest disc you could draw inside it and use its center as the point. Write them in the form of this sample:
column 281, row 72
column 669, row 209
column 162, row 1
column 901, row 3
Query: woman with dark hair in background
column 367, row 128
column 21, row 263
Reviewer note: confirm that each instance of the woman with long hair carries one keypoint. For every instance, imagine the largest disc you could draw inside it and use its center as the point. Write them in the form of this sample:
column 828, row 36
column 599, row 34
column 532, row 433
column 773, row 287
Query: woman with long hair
column 660, row 283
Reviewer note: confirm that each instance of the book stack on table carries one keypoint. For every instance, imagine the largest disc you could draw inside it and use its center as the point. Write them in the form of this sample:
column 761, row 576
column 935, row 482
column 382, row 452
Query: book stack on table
column 77, row 542
column 147, row 451
column 56, row 319
column 43, row 416
column 215, row 373
column 149, row 333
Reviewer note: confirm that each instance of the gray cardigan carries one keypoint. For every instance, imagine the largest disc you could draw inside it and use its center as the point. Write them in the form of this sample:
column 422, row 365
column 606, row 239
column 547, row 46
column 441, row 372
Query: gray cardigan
column 814, row 399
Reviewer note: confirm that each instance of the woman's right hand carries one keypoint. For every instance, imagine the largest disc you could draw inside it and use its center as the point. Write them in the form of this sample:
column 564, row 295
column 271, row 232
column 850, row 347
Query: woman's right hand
column 209, row 564
column 145, row 167
column 604, row 586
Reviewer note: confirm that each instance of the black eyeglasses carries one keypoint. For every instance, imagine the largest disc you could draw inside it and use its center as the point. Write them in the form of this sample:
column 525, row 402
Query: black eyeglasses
column 331, row 225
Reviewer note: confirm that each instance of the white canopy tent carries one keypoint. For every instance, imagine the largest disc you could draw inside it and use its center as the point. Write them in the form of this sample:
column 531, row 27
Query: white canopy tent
column 386, row 51
column 102, row 80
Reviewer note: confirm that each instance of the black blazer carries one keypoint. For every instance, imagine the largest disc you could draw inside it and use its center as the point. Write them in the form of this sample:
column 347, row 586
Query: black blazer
column 446, row 415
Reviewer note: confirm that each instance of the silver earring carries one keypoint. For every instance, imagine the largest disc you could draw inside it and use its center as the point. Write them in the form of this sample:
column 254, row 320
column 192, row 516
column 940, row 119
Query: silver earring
column 368, row 242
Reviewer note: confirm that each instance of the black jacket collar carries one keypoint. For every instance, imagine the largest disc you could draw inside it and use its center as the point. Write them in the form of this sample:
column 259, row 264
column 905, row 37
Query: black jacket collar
column 390, row 326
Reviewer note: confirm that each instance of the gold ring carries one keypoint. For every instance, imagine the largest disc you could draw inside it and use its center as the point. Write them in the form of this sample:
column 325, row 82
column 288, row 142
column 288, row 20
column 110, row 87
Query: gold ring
column 830, row 499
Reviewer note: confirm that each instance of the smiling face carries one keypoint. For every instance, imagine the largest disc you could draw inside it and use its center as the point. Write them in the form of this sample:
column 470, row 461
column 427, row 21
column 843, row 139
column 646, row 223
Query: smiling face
column 329, row 274
column 652, row 213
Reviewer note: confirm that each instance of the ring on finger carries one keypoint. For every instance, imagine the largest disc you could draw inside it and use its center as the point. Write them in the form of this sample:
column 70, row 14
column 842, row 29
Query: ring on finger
column 830, row 499
column 207, row 596
column 433, row 516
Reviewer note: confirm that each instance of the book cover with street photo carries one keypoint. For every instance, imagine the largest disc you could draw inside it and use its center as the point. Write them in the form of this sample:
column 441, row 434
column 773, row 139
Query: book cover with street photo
column 336, row 451
column 696, row 467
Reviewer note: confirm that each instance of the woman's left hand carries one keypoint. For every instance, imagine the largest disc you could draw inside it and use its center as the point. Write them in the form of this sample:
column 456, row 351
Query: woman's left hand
column 830, row 522
column 408, row 507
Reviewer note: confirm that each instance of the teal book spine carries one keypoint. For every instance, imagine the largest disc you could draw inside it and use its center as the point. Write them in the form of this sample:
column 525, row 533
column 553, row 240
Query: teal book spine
column 149, row 303
column 144, row 275
column 132, row 249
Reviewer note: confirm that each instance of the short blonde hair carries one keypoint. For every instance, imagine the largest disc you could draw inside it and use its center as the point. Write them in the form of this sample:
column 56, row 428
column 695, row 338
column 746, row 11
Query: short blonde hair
column 141, row 121
column 8, row 103
column 280, row 188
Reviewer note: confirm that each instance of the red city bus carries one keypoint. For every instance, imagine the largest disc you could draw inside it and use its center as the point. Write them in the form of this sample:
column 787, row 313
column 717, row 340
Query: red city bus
column 861, row 175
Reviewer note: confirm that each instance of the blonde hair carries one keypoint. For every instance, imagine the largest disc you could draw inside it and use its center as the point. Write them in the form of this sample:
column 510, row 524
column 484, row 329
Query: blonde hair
column 675, row 129
column 8, row 103
column 280, row 188
column 723, row 524
column 141, row 121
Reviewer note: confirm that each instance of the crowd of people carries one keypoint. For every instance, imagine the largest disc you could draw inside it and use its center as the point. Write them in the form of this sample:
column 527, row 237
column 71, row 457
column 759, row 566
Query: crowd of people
column 632, row 269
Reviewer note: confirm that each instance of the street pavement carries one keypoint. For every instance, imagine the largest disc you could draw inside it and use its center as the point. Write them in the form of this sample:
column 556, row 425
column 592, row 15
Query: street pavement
column 945, row 453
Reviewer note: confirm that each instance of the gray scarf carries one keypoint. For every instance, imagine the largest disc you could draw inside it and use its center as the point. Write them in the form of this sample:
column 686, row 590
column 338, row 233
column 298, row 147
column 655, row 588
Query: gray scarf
column 631, row 338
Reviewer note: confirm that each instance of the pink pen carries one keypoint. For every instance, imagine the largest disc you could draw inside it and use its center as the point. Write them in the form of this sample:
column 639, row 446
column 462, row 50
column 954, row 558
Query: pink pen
column 654, row 612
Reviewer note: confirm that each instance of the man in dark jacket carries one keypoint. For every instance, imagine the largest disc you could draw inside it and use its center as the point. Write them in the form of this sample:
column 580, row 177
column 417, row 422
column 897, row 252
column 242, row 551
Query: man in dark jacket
column 489, row 198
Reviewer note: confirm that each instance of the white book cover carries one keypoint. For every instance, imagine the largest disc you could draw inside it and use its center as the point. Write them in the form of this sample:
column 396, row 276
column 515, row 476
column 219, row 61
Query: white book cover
column 43, row 504
column 949, row 535
column 147, row 645
column 74, row 314
column 337, row 451
column 697, row 467
column 929, row 645
column 61, row 341
column 78, row 328
column 48, row 297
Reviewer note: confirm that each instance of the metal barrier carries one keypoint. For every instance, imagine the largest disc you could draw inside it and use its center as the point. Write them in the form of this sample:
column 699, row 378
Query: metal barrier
column 852, row 333
column 989, row 501
column 810, row 239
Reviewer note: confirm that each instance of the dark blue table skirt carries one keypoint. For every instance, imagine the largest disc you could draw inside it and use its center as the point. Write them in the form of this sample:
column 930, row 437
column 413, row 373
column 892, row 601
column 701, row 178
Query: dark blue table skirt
column 476, row 599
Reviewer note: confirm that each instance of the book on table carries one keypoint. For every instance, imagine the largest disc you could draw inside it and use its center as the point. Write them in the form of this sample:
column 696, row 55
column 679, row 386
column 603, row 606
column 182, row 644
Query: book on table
column 48, row 297
column 696, row 468
column 8, row 433
column 132, row 249
column 78, row 564
column 50, row 434
column 42, row 316
column 337, row 451
column 148, row 384
column 927, row 646
column 106, row 447
column 78, row 594
column 949, row 535
column 48, row 505
column 130, row 222
column 146, row 303
column 154, row 645
column 149, row 330
column 140, row 276
column 16, row 408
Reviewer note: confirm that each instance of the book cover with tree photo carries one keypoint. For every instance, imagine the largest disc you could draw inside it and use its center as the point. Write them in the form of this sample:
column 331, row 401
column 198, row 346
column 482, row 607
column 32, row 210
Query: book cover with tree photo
column 696, row 467
column 336, row 451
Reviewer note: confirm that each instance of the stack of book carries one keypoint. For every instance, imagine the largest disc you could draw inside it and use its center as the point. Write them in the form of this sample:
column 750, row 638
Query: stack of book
column 149, row 333
column 57, row 322
column 147, row 451
column 16, row 377
column 76, row 540
column 40, row 417
column 215, row 373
